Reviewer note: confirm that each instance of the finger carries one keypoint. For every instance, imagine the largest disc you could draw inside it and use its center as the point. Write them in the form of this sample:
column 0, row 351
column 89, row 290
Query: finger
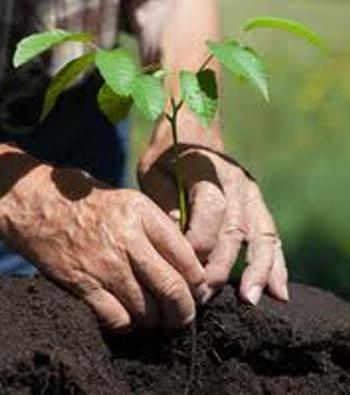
column 166, row 285
column 111, row 313
column 121, row 282
column 226, row 251
column 161, row 188
column 150, row 317
column 171, row 244
column 207, row 209
column 278, row 281
column 256, row 275
column 262, row 239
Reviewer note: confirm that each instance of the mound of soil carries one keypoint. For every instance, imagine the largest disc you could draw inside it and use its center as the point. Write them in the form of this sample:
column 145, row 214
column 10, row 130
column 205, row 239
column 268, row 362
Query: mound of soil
column 50, row 344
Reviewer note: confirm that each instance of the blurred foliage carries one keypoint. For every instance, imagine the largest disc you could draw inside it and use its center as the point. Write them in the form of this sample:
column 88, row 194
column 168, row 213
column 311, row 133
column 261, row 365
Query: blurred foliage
column 298, row 146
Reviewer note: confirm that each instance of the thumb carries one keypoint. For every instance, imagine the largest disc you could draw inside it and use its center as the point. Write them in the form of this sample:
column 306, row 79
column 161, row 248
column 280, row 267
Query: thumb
column 160, row 186
column 207, row 208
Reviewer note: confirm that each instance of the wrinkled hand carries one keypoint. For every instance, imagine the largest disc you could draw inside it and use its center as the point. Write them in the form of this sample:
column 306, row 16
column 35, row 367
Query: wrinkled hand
column 226, row 208
column 114, row 248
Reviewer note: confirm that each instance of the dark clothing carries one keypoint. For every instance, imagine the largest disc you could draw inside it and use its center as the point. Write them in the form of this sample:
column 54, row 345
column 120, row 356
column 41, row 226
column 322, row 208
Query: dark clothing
column 75, row 134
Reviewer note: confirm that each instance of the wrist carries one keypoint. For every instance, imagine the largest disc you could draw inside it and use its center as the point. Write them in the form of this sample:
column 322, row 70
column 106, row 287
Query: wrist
column 22, row 183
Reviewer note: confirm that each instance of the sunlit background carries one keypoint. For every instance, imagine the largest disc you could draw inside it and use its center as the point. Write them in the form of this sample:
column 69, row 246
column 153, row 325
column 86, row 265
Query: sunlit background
column 298, row 146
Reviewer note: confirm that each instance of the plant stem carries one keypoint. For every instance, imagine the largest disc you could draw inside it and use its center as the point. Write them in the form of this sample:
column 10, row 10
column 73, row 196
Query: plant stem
column 178, row 167
column 176, row 107
column 206, row 62
column 183, row 221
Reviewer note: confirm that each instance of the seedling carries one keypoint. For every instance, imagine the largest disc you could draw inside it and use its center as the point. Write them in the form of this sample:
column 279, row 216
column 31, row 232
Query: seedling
column 126, row 85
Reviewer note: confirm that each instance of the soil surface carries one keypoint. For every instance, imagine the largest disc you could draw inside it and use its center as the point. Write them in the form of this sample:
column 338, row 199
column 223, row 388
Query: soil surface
column 50, row 344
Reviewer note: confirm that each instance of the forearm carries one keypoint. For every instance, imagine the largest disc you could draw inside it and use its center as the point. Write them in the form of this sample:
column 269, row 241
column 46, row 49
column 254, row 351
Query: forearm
column 184, row 48
column 183, row 28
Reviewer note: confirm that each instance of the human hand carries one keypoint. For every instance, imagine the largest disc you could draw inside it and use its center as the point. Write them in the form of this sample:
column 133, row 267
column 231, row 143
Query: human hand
column 226, row 208
column 114, row 248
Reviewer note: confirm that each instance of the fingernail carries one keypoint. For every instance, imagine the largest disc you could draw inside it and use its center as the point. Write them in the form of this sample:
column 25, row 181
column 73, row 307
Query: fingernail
column 254, row 294
column 175, row 215
column 285, row 293
column 189, row 319
column 203, row 293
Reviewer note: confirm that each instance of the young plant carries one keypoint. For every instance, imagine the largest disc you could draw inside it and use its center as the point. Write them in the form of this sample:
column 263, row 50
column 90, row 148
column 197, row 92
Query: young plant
column 126, row 85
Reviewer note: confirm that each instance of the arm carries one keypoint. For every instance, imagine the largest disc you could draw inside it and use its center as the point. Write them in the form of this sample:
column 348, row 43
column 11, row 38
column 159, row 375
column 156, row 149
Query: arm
column 114, row 248
column 181, row 53
column 175, row 34
column 225, row 204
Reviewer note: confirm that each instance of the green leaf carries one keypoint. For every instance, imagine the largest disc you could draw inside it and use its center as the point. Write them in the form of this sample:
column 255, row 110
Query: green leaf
column 36, row 44
column 199, row 91
column 113, row 106
column 243, row 62
column 287, row 25
column 63, row 79
column 148, row 96
column 118, row 69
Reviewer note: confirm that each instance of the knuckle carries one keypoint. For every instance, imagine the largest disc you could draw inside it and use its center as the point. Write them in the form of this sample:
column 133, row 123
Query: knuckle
column 233, row 231
column 80, row 283
column 173, row 288
column 136, row 199
column 134, row 207
column 269, row 237
column 265, row 233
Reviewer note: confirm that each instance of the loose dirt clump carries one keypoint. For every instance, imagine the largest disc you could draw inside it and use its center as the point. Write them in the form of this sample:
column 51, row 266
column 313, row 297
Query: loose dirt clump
column 50, row 344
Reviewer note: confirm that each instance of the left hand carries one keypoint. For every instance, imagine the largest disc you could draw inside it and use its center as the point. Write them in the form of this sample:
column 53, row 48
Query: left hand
column 225, row 208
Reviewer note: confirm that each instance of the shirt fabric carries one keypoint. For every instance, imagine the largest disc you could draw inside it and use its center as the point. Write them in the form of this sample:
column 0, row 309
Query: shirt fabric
column 22, row 90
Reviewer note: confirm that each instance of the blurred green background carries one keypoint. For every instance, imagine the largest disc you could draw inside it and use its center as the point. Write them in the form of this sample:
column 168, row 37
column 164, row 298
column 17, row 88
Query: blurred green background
column 299, row 146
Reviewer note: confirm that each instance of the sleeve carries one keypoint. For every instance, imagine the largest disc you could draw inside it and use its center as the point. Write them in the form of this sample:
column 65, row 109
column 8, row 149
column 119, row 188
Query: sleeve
column 146, row 19
column 22, row 89
column 21, row 97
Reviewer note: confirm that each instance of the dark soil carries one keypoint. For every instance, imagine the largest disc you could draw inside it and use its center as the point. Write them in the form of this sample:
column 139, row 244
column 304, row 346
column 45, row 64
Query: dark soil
column 51, row 344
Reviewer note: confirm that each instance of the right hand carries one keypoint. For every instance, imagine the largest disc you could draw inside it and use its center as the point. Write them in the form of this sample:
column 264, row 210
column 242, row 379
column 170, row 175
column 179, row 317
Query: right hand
column 114, row 248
